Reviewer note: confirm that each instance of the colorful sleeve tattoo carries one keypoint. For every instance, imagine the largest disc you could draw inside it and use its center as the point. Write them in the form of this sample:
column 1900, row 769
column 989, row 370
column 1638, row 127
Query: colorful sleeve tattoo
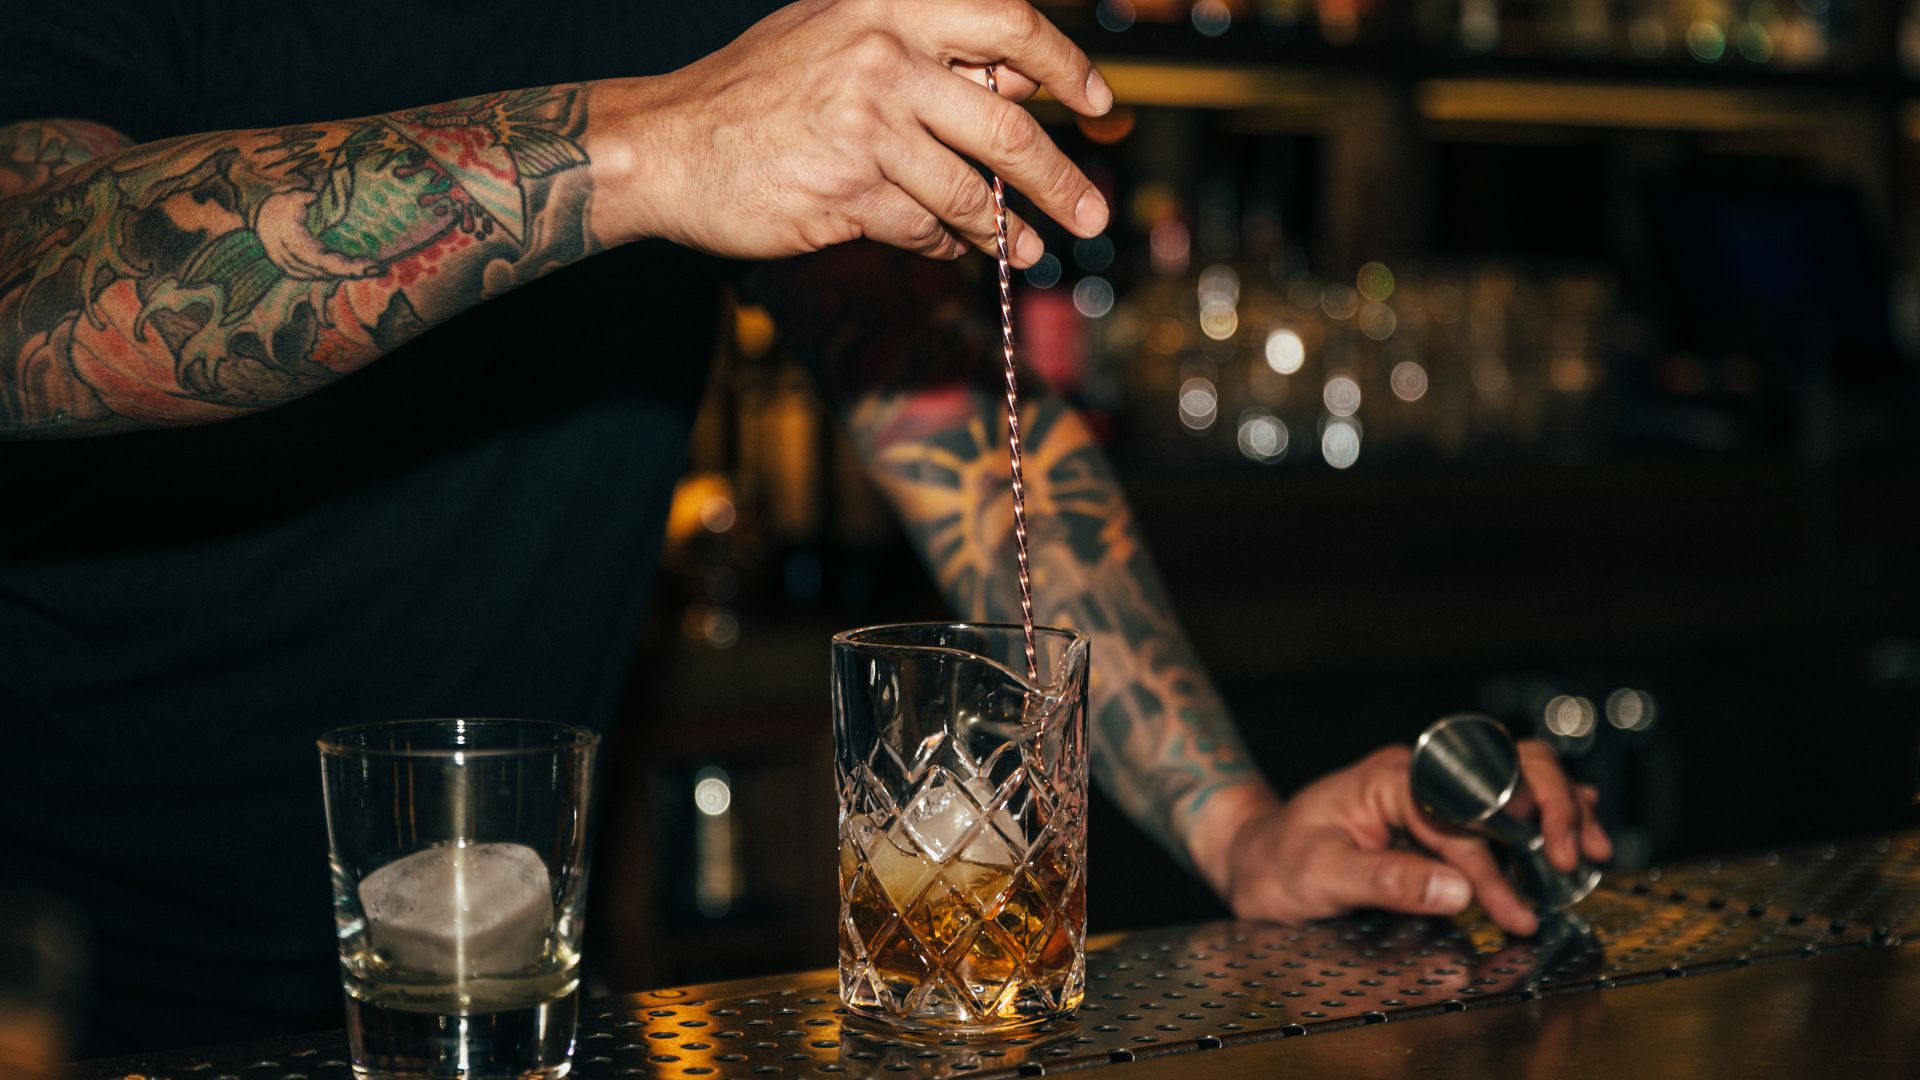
column 1163, row 742
column 204, row 277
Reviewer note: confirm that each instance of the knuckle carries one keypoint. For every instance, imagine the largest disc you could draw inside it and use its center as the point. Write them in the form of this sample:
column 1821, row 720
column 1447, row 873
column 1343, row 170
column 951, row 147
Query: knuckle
column 840, row 183
column 850, row 118
column 1020, row 24
column 969, row 200
column 1066, row 184
column 1393, row 881
column 1015, row 132
column 876, row 56
column 1396, row 756
column 925, row 232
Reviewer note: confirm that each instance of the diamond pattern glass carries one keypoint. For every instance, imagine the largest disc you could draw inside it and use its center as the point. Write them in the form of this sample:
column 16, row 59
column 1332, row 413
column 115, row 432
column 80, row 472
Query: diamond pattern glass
column 963, row 799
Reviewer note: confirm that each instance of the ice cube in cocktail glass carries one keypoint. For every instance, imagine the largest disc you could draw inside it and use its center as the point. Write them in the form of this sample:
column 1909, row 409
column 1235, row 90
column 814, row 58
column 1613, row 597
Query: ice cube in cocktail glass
column 962, row 786
column 459, row 858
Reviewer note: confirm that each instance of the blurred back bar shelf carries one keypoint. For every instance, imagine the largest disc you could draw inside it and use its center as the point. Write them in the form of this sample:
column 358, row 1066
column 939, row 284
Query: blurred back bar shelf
column 1481, row 231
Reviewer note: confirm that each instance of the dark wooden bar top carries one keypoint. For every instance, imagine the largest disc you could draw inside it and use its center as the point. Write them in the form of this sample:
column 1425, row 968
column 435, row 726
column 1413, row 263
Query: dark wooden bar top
column 1794, row 963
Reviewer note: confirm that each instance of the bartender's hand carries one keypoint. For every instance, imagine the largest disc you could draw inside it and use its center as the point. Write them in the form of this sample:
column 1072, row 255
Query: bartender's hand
column 832, row 120
column 1331, row 847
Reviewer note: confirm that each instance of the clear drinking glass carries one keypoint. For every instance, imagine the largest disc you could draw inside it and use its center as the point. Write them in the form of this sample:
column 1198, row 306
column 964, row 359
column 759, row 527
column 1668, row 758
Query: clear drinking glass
column 459, row 856
column 963, row 796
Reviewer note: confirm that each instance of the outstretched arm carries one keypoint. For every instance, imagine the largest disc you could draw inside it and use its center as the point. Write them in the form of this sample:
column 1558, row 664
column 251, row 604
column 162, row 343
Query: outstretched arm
column 204, row 277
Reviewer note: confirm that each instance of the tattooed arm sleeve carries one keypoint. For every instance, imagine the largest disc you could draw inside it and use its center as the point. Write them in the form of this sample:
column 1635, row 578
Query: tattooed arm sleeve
column 1164, row 745
column 205, row 277
column 37, row 151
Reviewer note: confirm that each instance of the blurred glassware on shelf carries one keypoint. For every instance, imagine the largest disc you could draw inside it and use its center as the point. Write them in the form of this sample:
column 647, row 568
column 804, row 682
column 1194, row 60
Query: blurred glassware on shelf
column 1451, row 361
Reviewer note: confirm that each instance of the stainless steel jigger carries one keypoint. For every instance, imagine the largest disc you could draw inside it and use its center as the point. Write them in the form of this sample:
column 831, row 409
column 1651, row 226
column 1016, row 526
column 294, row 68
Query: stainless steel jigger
column 1466, row 772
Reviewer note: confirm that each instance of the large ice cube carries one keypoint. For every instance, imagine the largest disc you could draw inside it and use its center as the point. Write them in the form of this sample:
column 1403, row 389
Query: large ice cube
column 939, row 817
column 461, row 911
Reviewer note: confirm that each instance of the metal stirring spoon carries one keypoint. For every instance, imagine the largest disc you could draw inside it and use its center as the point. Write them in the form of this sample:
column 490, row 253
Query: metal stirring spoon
column 1013, row 412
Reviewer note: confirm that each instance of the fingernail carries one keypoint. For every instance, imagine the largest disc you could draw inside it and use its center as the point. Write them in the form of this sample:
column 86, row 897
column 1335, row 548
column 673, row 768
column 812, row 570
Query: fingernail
column 1447, row 892
column 1029, row 247
column 1099, row 94
column 1091, row 213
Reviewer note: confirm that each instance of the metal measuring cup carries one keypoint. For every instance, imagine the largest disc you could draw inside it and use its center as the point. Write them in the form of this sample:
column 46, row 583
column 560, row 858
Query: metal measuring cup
column 1466, row 772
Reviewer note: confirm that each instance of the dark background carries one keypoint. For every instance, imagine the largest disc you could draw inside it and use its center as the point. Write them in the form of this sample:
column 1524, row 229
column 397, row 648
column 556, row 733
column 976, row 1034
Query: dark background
column 1668, row 444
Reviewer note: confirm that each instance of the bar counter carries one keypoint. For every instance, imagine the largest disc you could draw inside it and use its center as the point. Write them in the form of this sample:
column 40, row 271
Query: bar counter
column 1790, row 963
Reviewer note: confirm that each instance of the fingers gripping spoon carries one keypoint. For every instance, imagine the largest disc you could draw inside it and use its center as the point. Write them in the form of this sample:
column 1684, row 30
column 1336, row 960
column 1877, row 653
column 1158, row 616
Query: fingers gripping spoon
column 1013, row 411
column 1466, row 772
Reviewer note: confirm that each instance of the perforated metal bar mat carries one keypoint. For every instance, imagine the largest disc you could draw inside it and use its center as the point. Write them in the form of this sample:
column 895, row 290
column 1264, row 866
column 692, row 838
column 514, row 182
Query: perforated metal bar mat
column 1195, row 988
column 1870, row 884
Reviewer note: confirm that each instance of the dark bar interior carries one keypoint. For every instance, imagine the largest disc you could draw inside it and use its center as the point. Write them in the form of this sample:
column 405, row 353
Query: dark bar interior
column 1551, row 360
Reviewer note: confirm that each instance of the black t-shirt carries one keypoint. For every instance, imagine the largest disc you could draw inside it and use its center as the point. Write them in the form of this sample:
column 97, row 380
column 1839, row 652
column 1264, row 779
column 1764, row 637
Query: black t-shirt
column 466, row 527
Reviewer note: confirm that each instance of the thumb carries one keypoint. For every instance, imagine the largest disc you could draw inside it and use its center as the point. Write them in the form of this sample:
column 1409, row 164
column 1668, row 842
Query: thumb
column 1395, row 881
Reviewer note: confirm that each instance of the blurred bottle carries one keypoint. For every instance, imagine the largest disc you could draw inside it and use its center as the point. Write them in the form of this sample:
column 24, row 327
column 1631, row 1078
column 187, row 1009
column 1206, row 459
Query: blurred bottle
column 1910, row 38
column 42, row 955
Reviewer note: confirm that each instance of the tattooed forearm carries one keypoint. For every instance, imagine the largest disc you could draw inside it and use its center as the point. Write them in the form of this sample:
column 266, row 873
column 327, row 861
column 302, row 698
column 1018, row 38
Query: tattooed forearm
column 39, row 150
column 1163, row 741
column 205, row 277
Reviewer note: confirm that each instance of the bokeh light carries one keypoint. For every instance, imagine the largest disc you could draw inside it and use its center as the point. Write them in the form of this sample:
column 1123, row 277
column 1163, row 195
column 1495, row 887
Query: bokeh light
column 717, row 514
column 1377, row 320
column 1339, row 301
column 1212, row 17
column 1755, row 42
column 1706, row 40
column 1375, row 281
column 1199, row 403
column 1408, row 380
column 1115, row 126
column 1341, row 394
column 1286, row 353
column 1631, row 710
column 1093, row 297
column 1113, row 15
column 1340, row 443
column 1094, row 254
column 712, row 795
column 1262, row 436
column 1219, row 282
column 1218, row 319
column 1170, row 243
column 1044, row 274
column 1569, row 716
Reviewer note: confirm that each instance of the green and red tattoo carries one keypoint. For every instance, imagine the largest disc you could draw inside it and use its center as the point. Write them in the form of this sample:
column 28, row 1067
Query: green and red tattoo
column 1163, row 740
column 34, row 152
column 200, row 278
